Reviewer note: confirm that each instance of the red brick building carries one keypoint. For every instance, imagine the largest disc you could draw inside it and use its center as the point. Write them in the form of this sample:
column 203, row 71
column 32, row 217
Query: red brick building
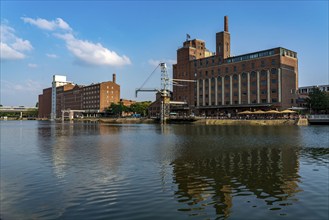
column 94, row 98
column 265, row 79
column 44, row 107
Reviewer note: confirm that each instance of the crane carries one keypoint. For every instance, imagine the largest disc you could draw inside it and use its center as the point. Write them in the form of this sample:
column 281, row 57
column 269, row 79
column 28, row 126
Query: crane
column 164, row 91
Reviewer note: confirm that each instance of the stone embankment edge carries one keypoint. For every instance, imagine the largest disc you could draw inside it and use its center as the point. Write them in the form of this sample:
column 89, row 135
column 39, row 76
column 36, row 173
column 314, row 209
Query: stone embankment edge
column 247, row 122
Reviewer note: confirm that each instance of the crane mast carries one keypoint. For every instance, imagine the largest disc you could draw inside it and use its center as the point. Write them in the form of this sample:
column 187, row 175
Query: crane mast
column 164, row 91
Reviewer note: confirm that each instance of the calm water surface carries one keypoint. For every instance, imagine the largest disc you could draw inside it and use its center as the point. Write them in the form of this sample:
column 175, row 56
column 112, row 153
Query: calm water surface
column 94, row 171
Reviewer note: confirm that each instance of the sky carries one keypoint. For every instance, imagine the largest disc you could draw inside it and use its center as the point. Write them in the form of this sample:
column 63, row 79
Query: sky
column 88, row 41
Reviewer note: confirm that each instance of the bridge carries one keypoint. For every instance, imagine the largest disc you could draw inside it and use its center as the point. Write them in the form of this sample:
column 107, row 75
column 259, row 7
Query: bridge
column 17, row 109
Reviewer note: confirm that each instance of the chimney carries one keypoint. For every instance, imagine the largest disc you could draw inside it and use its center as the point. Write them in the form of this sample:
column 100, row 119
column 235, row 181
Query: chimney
column 226, row 23
column 114, row 78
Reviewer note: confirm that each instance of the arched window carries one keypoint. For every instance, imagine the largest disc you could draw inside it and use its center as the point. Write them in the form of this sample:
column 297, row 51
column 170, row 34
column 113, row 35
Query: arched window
column 263, row 73
column 274, row 71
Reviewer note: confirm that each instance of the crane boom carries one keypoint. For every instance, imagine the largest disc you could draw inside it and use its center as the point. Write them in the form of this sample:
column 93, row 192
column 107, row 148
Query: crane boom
column 145, row 90
column 183, row 80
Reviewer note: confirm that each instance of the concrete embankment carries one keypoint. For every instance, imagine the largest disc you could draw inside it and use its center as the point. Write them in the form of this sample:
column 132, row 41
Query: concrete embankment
column 247, row 122
column 202, row 121
column 127, row 120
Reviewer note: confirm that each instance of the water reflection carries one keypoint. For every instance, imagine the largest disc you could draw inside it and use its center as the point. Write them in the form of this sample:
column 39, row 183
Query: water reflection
column 231, row 165
column 96, row 171
column 89, row 143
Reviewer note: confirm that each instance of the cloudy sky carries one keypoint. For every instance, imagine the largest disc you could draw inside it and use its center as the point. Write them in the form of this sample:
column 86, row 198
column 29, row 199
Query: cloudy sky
column 89, row 40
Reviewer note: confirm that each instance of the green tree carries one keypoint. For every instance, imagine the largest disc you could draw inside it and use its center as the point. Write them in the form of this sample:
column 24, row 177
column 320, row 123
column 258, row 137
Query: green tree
column 116, row 109
column 140, row 108
column 318, row 101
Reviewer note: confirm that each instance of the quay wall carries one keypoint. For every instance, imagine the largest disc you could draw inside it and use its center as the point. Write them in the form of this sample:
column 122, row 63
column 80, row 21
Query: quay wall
column 247, row 122
column 126, row 120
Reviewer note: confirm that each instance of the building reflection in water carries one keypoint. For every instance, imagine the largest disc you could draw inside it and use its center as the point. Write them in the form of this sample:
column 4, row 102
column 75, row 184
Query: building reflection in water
column 79, row 145
column 219, row 164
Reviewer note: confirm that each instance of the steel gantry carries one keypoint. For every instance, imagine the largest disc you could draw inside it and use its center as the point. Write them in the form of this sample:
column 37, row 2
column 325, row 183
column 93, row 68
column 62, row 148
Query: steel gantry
column 164, row 91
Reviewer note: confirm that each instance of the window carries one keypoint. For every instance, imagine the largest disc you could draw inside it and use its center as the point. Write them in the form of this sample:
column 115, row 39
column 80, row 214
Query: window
column 253, row 65
column 263, row 73
column 273, row 62
column 263, row 100
column 273, row 90
column 274, row 100
column 264, row 92
column 243, row 66
column 262, row 63
column 292, row 101
column 274, row 71
column 263, row 83
column 234, row 68
column 226, row 69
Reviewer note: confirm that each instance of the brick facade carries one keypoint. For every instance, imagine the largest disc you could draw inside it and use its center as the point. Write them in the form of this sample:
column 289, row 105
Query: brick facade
column 265, row 79
column 94, row 98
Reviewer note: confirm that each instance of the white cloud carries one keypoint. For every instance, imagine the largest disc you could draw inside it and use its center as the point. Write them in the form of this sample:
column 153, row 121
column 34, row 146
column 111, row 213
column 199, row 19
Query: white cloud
column 27, row 86
column 12, row 47
column 8, row 53
column 85, row 51
column 51, row 55
column 48, row 25
column 22, row 45
column 169, row 62
column 32, row 65
column 93, row 53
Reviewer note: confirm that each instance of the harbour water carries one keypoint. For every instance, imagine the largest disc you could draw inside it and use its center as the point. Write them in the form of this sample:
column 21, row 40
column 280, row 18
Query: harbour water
column 148, row 171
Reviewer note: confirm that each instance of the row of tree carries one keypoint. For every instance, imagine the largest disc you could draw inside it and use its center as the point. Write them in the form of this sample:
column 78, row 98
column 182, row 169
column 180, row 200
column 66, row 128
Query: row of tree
column 30, row 113
column 139, row 108
column 318, row 101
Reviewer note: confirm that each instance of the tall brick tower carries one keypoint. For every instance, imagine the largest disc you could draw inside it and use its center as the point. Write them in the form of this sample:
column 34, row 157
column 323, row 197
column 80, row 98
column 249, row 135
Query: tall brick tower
column 223, row 42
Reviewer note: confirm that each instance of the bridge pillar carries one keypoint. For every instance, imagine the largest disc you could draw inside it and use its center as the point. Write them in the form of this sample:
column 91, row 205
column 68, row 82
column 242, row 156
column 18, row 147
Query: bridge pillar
column 71, row 115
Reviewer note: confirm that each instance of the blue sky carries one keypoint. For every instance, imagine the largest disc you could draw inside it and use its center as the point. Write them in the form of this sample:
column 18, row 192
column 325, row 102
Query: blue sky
column 89, row 40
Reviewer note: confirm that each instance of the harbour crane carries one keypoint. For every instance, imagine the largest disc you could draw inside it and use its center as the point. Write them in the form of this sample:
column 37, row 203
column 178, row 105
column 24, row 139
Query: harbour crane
column 164, row 91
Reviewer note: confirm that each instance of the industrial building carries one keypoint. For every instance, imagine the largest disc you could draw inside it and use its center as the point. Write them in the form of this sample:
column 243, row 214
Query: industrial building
column 266, row 79
column 91, row 99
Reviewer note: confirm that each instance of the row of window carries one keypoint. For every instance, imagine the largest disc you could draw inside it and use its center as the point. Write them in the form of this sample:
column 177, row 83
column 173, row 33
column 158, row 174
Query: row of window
column 235, row 102
column 91, row 97
column 88, row 88
column 91, row 106
column 92, row 101
column 244, row 75
column 253, row 92
column 211, row 60
column 263, row 82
